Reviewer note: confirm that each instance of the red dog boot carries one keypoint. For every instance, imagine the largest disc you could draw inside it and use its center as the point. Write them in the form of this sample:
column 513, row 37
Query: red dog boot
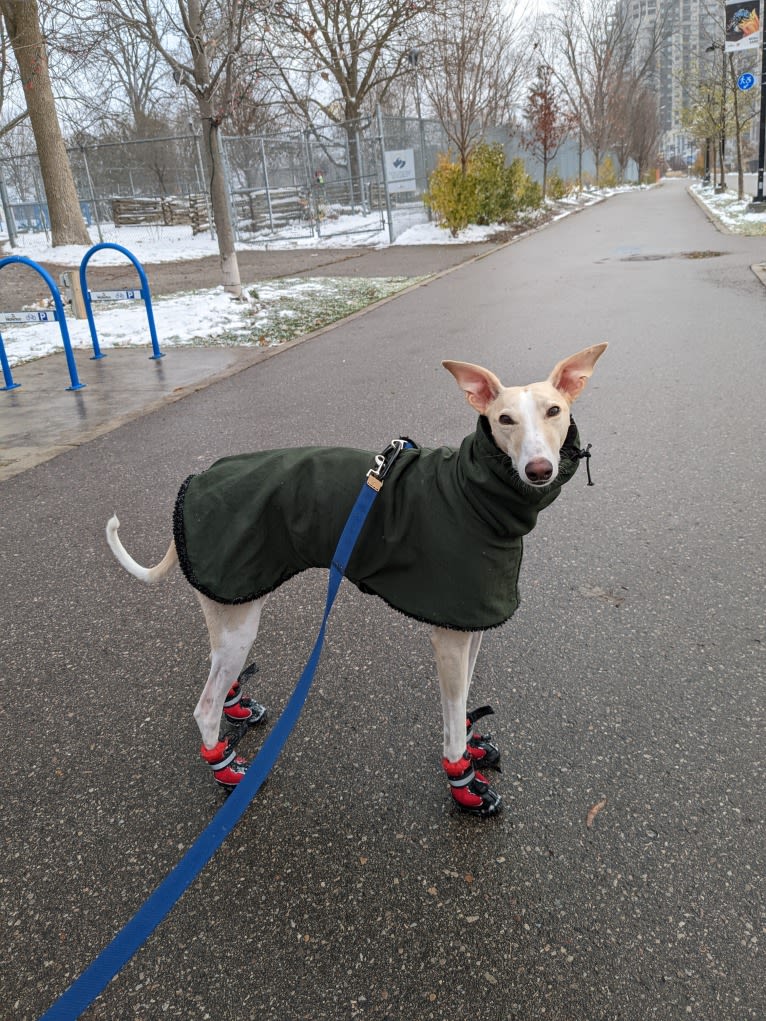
column 481, row 747
column 228, row 768
column 470, row 791
column 239, row 710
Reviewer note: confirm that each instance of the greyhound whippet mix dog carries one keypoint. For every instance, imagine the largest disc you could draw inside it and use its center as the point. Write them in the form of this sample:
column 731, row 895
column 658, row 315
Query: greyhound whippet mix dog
column 442, row 544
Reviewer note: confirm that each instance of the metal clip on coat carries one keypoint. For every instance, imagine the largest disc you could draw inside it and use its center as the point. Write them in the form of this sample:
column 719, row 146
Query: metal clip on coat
column 384, row 461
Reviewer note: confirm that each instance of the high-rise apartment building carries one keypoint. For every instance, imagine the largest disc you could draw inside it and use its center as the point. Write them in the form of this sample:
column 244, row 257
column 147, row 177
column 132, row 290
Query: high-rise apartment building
column 688, row 28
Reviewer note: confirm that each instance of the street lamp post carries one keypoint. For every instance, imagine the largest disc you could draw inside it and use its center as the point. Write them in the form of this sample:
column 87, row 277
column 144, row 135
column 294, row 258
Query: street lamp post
column 759, row 203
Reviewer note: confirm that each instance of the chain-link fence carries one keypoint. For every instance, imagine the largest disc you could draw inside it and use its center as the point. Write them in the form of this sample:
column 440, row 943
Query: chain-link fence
column 360, row 178
column 126, row 189
column 315, row 183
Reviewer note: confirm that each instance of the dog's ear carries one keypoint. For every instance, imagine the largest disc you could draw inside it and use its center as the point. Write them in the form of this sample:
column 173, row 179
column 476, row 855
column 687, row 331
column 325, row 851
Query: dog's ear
column 570, row 375
column 480, row 385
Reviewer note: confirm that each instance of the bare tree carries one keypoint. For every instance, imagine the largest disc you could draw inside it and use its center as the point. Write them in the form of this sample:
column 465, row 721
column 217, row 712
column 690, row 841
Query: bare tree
column 332, row 59
column 702, row 117
column 22, row 22
column 135, row 99
column 645, row 131
column 550, row 120
column 744, row 111
column 474, row 69
column 202, row 42
column 605, row 53
column 717, row 102
column 6, row 81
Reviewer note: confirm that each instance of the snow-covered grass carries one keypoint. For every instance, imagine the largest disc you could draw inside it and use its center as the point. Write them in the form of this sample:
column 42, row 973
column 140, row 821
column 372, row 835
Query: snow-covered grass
column 731, row 212
column 275, row 310
column 154, row 244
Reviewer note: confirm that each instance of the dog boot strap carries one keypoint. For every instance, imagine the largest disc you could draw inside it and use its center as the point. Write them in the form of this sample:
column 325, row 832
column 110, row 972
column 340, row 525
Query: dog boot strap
column 470, row 791
column 238, row 709
column 247, row 673
column 233, row 697
column 481, row 747
column 228, row 768
column 478, row 714
column 459, row 773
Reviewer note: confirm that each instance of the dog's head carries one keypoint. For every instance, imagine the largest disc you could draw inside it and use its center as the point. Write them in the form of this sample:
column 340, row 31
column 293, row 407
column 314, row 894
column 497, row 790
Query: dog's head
column 529, row 423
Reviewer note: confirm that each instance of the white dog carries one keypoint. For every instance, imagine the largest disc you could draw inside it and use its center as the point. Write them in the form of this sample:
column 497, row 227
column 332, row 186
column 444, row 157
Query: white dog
column 442, row 544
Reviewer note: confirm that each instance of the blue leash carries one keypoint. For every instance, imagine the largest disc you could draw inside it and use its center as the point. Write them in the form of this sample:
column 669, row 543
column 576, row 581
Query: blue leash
column 156, row 908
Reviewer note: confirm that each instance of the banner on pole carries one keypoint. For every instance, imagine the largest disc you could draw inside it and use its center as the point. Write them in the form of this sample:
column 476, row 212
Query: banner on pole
column 743, row 25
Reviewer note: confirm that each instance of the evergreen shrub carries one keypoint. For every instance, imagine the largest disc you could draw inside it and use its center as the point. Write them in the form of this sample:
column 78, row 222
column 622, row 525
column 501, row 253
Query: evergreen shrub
column 452, row 195
column 488, row 192
column 557, row 187
column 607, row 175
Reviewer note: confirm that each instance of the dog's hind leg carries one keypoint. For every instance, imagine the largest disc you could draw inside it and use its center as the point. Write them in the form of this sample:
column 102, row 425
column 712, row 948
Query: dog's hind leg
column 456, row 653
column 232, row 630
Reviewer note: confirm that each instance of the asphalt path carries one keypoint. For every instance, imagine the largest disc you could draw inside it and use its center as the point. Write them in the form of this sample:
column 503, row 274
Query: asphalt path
column 254, row 265
column 631, row 679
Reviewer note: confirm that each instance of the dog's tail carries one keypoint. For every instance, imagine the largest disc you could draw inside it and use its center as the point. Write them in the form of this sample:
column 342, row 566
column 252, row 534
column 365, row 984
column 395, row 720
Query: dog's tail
column 150, row 575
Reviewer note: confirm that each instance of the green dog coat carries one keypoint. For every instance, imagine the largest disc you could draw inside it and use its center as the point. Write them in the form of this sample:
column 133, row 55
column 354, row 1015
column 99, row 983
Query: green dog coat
column 442, row 542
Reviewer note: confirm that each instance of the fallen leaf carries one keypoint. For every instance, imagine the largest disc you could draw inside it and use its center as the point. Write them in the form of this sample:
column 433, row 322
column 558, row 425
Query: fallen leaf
column 593, row 812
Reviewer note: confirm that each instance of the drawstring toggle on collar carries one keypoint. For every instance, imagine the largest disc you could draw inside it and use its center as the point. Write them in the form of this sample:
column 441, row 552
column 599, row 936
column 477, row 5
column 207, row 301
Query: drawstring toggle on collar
column 579, row 454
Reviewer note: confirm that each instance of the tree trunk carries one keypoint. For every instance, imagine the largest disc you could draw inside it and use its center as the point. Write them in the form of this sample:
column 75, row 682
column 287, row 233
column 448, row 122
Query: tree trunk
column 738, row 134
column 213, row 154
column 22, row 21
column 597, row 160
column 353, row 135
column 219, row 201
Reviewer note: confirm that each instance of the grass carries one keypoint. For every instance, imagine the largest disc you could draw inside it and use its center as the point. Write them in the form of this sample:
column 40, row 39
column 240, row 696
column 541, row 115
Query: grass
column 282, row 310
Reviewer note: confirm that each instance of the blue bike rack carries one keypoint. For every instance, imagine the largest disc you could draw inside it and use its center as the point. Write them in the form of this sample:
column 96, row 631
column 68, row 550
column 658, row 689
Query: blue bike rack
column 144, row 293
column 59, row 317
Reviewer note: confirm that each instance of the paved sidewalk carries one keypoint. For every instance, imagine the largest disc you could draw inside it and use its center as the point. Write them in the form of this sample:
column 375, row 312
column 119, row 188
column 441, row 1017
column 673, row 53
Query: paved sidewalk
column 632, row 678
column 43, row 418
column 254, row 266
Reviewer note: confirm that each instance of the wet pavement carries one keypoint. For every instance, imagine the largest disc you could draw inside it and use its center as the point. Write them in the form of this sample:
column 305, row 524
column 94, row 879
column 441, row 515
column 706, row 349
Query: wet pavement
column 44, row 417
column 624, row 880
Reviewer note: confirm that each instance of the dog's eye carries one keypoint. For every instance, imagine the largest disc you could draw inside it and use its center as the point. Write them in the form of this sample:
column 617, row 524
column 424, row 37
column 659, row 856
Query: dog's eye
column 506, row 420
column 553, row 411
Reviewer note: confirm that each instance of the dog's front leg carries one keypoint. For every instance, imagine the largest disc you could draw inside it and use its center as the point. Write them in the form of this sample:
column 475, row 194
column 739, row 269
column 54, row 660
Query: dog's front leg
column 453, row 664
column 456, row 653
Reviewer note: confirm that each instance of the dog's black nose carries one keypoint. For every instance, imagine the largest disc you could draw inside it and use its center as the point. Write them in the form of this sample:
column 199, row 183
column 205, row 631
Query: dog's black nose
column 539, row 470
